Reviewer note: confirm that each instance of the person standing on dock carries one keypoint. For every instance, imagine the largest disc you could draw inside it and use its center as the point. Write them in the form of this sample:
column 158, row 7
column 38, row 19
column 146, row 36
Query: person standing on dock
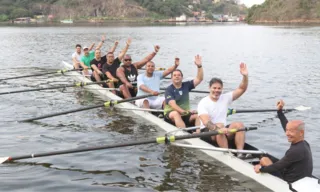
column 128, row 73
column 177, row 103
column 213, row 109
column 297, row 162
column 149, row 83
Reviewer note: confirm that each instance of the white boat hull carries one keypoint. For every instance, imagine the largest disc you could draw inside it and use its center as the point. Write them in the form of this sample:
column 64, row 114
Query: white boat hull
column 269, row 181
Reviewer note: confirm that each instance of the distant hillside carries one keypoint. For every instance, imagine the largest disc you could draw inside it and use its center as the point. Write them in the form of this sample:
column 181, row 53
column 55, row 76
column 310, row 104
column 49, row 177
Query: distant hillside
column 114, row 9
column 285, row 11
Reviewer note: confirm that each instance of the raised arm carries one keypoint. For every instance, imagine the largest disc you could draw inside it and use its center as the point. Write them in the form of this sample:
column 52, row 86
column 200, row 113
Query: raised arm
column 148, row 58
column 91, row 46
column 172, row 68
column 124, row 50
column 244, row 83
column 198, row 63
column 103, row 38
column 281, row 116
column 114, row 47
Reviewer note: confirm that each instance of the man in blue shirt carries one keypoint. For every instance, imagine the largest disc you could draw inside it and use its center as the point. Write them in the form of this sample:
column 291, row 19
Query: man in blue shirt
column 177, row 109
column 149, row 83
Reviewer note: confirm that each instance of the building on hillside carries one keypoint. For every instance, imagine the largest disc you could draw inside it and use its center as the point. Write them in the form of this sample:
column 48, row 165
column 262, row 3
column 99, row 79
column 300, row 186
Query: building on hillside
column 182, row 18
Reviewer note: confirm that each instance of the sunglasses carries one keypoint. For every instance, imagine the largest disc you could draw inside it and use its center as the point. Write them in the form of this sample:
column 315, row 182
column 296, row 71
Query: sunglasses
column 128, row 60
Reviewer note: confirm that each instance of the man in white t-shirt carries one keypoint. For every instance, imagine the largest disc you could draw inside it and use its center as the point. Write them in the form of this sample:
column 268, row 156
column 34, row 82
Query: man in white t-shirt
column 149, row 83
column 76, row 56
column 213, row 109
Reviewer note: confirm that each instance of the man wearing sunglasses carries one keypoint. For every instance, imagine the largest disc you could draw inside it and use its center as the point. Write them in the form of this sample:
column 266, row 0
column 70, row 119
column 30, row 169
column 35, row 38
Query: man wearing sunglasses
column 128, row 73
column 112, row 64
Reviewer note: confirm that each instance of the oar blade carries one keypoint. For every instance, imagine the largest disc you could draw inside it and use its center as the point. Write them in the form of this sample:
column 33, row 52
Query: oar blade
column 3, row 159
column 302, row 108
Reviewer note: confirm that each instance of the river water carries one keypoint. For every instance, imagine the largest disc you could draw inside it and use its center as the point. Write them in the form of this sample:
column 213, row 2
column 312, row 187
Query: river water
column 283, row 63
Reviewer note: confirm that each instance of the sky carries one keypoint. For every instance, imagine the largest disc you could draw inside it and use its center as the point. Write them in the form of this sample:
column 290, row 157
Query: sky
column 249, row 3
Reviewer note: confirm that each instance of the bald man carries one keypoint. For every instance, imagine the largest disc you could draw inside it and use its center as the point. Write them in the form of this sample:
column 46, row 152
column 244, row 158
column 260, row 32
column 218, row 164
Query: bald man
column 297, row 162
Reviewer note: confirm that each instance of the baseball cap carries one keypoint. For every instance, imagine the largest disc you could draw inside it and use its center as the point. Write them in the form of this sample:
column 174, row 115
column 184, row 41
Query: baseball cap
column 85, row 47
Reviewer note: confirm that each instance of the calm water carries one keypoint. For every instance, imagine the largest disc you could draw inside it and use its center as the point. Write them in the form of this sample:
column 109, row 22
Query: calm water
column 283, row 63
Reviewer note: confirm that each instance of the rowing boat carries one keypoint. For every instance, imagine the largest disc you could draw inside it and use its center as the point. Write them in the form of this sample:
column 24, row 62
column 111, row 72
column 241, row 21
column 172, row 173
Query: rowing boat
column 244, row 167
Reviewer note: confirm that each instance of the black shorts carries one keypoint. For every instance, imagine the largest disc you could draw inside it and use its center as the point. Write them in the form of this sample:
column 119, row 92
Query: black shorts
column 185, row 119
column 102, row 76
column 133, row 92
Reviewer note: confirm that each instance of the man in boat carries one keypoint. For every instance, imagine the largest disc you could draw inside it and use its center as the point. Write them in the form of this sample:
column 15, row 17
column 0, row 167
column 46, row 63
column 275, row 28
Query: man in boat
column 149, row 83
column 212, row 110
column 112, row 64
column 177, row 104
column 88, row 56
column 128, row 73
column 76, row 56
column 297, row 162
column 98, row 62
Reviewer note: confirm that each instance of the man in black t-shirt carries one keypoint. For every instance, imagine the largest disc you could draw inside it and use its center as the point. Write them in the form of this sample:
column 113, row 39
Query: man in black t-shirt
column 96, row 66
column 112, row 64
column 297, row 162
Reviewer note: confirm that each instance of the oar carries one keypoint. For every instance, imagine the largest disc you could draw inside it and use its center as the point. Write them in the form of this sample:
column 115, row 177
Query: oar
column 159, row 140
column 233, row 111
column 194, row 91
column 78, row 84
column 41, row 74
column 106, row 104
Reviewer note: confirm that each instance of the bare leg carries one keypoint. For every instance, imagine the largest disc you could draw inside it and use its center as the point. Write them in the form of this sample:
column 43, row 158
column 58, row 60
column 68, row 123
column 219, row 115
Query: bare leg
column 85, row 73
column 76, row 65
column 97, row 76
column 146, row 104
column 221, row 140
column 176, row 118
column 239, row 136
column 125, row 91
column 111, row 85
column 265, row 161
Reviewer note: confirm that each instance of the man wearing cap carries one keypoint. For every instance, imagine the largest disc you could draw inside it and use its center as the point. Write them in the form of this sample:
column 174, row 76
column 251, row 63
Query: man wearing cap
column 297, row 162
column 88, row 56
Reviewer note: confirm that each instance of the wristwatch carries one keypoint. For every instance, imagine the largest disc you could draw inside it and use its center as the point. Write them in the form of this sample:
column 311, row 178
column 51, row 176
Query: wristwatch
column 199, row 66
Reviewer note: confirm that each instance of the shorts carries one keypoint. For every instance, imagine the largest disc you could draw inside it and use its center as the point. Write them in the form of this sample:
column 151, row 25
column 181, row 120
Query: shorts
column 102, row 76
column 154, row 103
column 133, row 92
column 185, row 119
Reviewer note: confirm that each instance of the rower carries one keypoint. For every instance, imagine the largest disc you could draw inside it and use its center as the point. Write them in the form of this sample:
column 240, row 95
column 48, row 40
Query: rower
column 177, row 108
column 128, row 73
column 96, row 67
column 149, row 83
column 212, row 111
column 297, row 162
column 88, row 56
column 112, row 64
column 76, row 56
column 98, row 62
